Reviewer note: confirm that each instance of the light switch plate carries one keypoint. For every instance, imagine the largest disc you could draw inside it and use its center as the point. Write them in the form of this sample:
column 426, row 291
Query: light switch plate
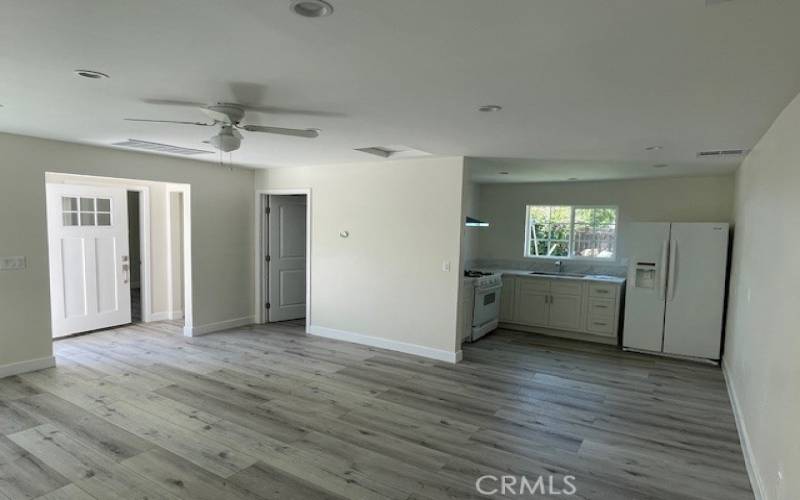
column 13, row 263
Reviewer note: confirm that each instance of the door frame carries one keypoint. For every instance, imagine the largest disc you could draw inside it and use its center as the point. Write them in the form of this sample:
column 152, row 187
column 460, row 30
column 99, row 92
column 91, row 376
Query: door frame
column 144, row 249
column 186, row 256
column 260, row 247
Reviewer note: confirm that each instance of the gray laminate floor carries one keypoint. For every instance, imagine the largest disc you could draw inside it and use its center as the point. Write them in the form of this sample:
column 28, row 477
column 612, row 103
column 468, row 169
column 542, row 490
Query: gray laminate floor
column 265, row 412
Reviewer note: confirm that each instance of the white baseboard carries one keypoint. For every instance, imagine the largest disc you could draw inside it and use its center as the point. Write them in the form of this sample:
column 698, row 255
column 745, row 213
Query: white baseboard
column 196, row 331
column 27, row 366
column 744, row 438
column 392, row 345
column 177, row 314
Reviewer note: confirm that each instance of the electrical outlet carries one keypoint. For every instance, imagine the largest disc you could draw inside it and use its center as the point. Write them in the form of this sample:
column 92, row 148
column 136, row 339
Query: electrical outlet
column 12, row 263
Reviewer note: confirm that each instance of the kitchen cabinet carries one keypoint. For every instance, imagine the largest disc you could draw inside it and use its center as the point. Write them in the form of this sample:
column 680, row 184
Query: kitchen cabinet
column 507, row 298
column 582, row 306
column 531, row 303
column 565, row 312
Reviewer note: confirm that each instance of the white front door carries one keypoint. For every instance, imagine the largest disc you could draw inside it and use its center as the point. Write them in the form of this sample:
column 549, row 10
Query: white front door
column 89, row 268
column 286, row 269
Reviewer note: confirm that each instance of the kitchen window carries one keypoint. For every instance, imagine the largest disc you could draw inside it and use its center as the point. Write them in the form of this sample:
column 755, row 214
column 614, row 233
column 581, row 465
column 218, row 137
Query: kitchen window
column 563, row 231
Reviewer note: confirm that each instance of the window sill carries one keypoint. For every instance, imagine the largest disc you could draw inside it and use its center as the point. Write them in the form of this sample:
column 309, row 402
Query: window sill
column 605, row 260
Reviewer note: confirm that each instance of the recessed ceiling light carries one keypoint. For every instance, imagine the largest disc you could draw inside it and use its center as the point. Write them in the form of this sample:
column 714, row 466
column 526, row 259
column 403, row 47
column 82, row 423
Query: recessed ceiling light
column 490, row 108
column 660, row 165
column 654, row 148
column 311, row 8
column 503, row 173
column 88, row 73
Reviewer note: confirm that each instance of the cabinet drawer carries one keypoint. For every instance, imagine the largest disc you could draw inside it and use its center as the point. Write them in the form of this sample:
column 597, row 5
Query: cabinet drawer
column 602, row 308
column 558, row 287
column 603, row 290
column 533, row 285
column 600, row 325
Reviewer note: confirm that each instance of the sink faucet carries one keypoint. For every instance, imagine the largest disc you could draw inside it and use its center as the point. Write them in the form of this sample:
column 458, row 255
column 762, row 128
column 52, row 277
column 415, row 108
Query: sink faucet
column 559, row 265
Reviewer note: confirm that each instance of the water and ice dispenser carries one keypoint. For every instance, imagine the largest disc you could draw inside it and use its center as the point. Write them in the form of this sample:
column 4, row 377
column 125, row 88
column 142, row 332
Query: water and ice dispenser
column 645, row 275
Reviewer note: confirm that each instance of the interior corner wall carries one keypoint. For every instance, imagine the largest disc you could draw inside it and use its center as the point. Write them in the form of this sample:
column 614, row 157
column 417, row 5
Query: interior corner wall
column 222, row 234
column 762, row 344
column 386, row 280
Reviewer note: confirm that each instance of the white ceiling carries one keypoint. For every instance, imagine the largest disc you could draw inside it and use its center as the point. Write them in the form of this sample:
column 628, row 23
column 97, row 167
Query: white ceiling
column 579, row 80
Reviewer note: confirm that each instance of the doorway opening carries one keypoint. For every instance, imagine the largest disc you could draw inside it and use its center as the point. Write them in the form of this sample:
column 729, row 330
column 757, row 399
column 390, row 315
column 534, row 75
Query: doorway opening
column 283, row 253
column 119, row 252
column 134, row 251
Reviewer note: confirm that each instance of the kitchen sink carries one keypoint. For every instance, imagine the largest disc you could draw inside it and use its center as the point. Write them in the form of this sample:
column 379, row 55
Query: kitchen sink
column 566, row 275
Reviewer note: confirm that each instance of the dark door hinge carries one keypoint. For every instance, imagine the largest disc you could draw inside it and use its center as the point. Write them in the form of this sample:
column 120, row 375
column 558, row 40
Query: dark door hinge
column 268, row 305
column 268, row 258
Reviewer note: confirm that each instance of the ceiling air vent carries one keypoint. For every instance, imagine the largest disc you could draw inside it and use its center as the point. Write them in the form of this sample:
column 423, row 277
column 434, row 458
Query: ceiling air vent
column 396, row 151
column 160, row 148
column 723, row 152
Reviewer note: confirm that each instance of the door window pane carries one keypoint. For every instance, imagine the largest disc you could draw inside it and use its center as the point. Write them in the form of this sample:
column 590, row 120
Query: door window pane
column 87, row 204
column 69, row 204
column 103, row 219
column 70, row 218
column 103, row 205
column 87, row 219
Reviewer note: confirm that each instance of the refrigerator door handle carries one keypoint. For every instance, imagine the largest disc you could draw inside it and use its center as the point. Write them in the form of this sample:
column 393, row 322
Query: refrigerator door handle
column 662, row 279
column 673, row 271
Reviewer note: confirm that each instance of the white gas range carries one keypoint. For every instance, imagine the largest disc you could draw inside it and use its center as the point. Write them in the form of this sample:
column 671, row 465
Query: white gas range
column 485, row 304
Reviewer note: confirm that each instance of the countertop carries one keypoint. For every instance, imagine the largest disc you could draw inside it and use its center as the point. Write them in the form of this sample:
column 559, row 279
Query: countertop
column 527, row 274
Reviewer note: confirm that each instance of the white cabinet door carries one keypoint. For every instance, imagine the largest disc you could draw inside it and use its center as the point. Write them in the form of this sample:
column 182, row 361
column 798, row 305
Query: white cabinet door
column 507, row 298
column 530, row 308
column 89, row 265
column 565, row 312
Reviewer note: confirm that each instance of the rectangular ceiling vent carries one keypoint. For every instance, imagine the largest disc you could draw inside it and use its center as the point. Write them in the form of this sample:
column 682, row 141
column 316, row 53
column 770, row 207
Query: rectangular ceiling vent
column 160, row 148
column 723, row 152
column 395, row 151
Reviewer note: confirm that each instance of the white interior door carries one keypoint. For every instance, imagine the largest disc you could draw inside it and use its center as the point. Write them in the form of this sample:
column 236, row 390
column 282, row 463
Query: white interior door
column 286, row 269
column 89, row 268
column 695, row 295
column 647, row 247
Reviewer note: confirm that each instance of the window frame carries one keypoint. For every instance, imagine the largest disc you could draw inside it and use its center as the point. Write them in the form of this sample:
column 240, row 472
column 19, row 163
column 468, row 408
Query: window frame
column 571, row 241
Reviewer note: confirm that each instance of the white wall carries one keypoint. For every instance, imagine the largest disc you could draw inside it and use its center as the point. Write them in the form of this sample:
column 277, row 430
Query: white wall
column 679, row 199
column 222, row 233
column 385, row 281
column 762, row 347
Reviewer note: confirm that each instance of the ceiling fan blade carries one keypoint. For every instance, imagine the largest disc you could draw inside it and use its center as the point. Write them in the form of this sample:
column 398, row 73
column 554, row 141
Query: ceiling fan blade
column 276, row 110
column 309, row 133
column 174, row 102
column 168, row 121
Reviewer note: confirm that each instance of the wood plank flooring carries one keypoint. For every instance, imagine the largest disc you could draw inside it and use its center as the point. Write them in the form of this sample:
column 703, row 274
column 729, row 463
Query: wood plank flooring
column 268, row 413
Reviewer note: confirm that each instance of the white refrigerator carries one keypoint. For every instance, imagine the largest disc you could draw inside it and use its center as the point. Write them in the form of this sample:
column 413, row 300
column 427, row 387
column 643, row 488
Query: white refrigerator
column 675, row 294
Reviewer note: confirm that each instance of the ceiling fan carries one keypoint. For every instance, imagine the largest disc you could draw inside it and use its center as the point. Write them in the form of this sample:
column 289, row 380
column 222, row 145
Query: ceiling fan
column 228, row 116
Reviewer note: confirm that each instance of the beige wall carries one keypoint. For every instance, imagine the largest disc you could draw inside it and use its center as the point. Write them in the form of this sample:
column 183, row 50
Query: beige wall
column 222, row 233
column 159, row 256
column 679, row 199
column 385, row 280
column 762, row 347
